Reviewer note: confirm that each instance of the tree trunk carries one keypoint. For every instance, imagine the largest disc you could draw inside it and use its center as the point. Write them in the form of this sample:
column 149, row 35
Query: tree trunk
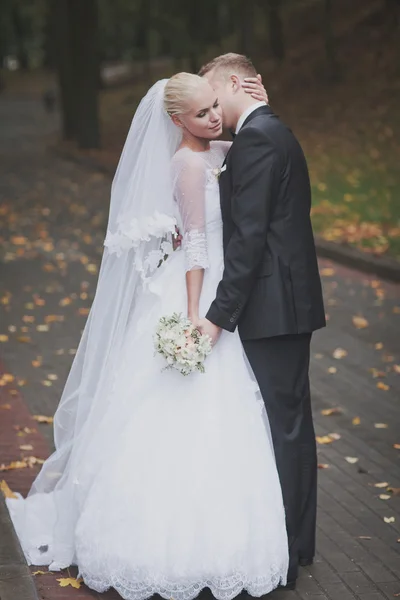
column 64, row 55
column 246, row 15
column 146, row 18
column 49, row 42
column 193, row 29
column 330, row 47
column 223, row 22
column 84, row 22
column 276, row 37
column 20, row 38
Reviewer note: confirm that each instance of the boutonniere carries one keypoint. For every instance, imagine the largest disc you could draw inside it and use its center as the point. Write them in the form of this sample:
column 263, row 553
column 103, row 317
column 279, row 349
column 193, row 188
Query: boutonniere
column 217, row 172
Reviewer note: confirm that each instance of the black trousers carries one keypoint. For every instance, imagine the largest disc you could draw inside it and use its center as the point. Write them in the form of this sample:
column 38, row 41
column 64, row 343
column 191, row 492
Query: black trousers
column 281, row 367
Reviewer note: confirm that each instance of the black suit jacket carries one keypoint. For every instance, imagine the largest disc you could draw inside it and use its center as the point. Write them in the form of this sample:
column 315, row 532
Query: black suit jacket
column 271, row 284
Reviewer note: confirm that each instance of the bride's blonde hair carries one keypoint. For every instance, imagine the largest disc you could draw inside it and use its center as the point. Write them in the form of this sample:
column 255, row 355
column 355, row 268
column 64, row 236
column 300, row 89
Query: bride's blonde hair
column 179, row 90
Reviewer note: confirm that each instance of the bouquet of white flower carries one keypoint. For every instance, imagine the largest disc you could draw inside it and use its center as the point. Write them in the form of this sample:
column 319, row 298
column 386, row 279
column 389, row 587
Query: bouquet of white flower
column 181, row 344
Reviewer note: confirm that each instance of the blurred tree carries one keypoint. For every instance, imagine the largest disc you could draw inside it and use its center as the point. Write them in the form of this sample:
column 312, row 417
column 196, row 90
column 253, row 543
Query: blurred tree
column 275, row 25
column 78, row 67
column 50, row 12
column 64, row 55
column 246, row 15
column 21, row 30
column 84, row 26
column 330, row 47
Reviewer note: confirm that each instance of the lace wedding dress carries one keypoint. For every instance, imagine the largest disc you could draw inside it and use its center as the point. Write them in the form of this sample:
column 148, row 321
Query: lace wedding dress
column 177, row 488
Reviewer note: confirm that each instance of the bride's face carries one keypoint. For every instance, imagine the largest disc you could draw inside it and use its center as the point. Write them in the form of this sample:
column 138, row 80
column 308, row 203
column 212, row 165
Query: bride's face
column 203, row 117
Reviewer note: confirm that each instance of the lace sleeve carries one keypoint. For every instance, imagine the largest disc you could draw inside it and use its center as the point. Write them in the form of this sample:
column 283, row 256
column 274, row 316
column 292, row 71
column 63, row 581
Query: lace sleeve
column 189, row 190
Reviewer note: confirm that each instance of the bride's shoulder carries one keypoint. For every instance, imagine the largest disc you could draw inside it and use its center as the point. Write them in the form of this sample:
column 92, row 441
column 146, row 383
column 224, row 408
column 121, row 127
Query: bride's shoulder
column 185, row 158
column 221, row 146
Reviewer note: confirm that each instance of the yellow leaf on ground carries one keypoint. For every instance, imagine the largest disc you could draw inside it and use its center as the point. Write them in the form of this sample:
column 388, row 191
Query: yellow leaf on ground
column 381, row 484
column 327, row 272
column 383, row 386
column 332, row 370
column 360, row 322
column 389, row 519
column 16, row 464
column 40, row 572
column 328, row 412
column 327, row 439
column 65, row 301
column 3, row 338
column 396, row 446
column 378, row 346
column 26, row 447
column 384, row 496
column 356, row 421
column 33, row 460
column 54, row 319
column 323, row 466
column 42, row 328
column 43, row 419
column 324, row 439
column 381, row 425
column 364, row 537
column 351, row 459
column 376, row 373
column 24, row 339
column 339, row 353
column 75, row 583
column 7, row 492
column 396, row 368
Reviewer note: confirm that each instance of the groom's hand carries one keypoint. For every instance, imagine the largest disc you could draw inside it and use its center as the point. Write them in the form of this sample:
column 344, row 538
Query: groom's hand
column 207, row 328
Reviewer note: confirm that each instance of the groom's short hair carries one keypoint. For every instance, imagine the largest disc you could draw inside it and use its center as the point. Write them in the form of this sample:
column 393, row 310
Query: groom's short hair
column 229, row 64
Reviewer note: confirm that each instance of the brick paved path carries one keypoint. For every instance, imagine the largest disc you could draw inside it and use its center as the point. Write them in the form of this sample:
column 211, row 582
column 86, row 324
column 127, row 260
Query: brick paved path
column 53, row 216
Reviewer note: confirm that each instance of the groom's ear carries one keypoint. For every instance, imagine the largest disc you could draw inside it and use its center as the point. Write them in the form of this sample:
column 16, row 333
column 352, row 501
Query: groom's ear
column 235, row 83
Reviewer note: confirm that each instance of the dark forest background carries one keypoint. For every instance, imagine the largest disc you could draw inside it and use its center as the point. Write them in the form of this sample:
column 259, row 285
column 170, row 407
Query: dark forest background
column 331, row 67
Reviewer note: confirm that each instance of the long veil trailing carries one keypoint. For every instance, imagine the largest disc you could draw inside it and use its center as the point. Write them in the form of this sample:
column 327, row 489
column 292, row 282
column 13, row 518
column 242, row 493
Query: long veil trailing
column 142, row 217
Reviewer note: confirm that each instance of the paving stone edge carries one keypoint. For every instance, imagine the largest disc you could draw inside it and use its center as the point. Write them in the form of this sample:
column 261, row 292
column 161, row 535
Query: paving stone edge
column 13, row 565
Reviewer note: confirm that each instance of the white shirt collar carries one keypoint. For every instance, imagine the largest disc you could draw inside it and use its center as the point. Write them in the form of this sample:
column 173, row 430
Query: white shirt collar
column 248, row 112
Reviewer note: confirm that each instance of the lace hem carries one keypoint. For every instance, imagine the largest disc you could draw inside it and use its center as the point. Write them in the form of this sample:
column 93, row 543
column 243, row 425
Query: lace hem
column 129, row 235
column 195, row 246
column 222, row 588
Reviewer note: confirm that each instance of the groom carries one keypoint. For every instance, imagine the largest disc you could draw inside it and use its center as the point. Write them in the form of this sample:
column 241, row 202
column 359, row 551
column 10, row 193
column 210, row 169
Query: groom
column 271, row 287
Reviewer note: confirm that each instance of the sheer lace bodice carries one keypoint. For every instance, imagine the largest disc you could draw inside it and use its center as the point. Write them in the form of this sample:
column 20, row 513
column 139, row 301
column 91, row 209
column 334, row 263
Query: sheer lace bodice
column 196, row 191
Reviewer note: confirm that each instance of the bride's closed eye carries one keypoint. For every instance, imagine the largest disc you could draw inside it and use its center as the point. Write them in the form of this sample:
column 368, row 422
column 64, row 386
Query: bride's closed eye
column 203, row 113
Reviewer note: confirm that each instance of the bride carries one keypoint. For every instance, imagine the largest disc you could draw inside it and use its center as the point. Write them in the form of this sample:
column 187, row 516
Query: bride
column 160, row 483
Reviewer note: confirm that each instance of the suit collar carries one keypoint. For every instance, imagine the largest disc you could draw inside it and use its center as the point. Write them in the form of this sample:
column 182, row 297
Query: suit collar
column 262, row 110
column 246, row 113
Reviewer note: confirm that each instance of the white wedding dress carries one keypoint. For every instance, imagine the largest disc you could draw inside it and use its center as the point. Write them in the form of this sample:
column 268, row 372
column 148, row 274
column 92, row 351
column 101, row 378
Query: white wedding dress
column 177, row 489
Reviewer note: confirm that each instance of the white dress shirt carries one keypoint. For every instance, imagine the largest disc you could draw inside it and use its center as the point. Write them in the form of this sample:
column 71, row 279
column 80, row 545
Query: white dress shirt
column 248, row 112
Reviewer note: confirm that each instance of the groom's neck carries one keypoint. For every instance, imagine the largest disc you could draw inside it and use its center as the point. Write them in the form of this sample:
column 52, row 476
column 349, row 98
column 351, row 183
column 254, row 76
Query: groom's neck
column 241, row 106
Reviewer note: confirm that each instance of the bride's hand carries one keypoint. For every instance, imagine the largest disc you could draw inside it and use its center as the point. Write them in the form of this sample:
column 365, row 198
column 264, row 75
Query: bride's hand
column 254, row 86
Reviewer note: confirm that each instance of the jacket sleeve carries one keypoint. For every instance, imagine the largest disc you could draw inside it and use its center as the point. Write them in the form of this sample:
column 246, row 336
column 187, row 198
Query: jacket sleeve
column 255, row 175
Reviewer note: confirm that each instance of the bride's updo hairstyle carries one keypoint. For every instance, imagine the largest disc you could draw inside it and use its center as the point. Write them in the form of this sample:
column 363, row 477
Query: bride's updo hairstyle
column 178, row 91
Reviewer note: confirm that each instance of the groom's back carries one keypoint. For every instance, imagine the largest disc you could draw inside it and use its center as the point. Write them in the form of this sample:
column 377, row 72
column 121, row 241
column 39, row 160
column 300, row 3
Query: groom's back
column 287, row 295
